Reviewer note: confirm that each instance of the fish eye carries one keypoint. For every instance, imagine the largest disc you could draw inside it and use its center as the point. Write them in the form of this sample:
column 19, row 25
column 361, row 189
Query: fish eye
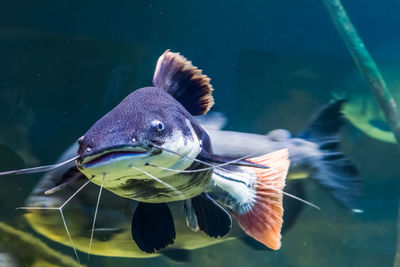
column 158, row 125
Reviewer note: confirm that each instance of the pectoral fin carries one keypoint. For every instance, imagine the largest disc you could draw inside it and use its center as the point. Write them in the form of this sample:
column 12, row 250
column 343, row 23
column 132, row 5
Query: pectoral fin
column 153, row 227
column 214, row 220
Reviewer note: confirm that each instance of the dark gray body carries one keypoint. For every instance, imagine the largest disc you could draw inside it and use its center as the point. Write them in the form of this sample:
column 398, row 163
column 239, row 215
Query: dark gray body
column 129, row 126
column 132, row 119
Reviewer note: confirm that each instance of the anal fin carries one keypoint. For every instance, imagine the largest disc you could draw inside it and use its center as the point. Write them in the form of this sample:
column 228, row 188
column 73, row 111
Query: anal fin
column 153, row 226
column 214, row 220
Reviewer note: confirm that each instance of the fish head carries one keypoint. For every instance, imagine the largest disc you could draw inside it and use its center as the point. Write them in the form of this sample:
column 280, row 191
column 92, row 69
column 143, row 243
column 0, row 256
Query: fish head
column 140, row 132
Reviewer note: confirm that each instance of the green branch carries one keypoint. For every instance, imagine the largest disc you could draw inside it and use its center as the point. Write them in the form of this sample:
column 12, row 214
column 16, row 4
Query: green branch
column 365, row 64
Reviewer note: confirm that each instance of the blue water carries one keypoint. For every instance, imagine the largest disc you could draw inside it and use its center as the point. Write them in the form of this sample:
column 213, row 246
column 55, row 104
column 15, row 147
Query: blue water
column 272, row 65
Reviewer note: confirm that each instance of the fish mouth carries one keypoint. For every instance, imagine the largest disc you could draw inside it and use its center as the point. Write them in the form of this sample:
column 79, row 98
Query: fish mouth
column 111, row 154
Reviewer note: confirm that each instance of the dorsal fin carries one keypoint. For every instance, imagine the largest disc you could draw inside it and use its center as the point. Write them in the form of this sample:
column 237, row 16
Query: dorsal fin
column 185, row 82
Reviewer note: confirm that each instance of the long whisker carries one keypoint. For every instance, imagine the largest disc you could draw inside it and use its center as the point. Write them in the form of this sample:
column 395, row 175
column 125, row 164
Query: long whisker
column 159, row 180
column 95, row 216
column 69, row 235
column 301, row 200
column 292, row 196
column 62, row 214
column 218, row 166
column 180, row 171
column 40, row 168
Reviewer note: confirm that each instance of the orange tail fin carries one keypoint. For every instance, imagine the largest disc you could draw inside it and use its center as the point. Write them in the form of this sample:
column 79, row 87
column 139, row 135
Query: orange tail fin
column 264, row 221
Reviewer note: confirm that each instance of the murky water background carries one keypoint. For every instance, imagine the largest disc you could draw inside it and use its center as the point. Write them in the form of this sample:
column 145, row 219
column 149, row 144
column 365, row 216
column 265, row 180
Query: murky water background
column 272, row 64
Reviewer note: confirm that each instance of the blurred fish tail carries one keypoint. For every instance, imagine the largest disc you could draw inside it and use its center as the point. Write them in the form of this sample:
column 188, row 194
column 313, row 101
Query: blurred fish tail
column 333, row 171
